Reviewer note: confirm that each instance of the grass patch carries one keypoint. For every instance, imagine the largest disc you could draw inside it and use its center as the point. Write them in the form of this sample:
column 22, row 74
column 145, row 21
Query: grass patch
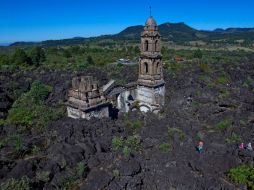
column 117, row 142
column 243, row 175
column 133, row 124
column 222, row 80
column 204, row 78
column 178, row 66
column 136, row 105
column 80, row 169
column 136, row 124
column 16, row 184
column 223, row 124
column 207, row 80
column 234, row 138
column 204, row 67
column 116, row 173
column 35, row 150
column 224, row 94
column 165, row 147
column 74, row 176
column 126, row 151
column 173, row 131
column 132, row 143
column 42, row 176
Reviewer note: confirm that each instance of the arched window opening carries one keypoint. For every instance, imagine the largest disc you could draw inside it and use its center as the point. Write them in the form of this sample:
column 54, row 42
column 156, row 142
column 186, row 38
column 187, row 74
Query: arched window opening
column 156, row 45
column 145, row 68
column 158, row 68
column 130, row 98
column 146, row 45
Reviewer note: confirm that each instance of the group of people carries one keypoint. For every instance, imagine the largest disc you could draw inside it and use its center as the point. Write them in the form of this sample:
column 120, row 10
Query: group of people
column 200, row 147
column 248, row 147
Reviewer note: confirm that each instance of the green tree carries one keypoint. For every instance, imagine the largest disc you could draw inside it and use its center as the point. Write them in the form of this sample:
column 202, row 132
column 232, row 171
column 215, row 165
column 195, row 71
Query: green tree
column 52, row 50
column 90, row 60
column 37, row 55
column 20, row 57
column 198, row 54
column 137, row 50
column 66, row 53
column 76, row 50
column 164, row 50
column 4, row 59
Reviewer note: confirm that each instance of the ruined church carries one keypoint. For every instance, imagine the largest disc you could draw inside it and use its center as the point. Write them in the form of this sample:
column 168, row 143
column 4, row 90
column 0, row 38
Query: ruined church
column 86, row 99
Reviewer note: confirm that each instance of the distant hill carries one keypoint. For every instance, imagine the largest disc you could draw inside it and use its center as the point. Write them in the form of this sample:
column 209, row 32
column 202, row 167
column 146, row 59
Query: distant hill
column 178, row 32
column 169, row 31
column 175, row 32
column 132, row 32
column 234, row 30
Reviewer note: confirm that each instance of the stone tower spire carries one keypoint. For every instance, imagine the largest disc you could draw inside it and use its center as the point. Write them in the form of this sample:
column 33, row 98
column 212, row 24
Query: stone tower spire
column 151, row 85
column 150, row 63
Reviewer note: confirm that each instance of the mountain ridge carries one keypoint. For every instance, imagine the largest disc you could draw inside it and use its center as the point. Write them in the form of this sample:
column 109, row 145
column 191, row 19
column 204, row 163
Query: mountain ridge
column 176, row 32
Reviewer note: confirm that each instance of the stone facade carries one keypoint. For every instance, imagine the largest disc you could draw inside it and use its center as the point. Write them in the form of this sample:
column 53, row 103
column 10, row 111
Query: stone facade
column 86, row 100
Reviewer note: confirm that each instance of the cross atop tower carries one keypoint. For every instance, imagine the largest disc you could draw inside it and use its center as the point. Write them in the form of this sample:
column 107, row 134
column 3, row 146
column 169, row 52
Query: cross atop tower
column 150, row 10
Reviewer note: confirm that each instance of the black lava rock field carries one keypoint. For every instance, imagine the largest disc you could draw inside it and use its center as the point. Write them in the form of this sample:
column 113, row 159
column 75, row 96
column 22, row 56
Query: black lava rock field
column 138, row 151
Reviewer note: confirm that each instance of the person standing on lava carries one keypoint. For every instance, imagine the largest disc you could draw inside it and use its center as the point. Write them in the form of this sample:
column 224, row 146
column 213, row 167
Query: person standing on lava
column 200, row 147
column 249, row 147
column 241, row 146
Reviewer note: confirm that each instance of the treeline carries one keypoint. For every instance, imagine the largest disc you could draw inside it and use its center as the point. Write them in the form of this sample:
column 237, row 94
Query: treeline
column 65, row 57
column 82, row 57
column 208, row 56
column 20, row 57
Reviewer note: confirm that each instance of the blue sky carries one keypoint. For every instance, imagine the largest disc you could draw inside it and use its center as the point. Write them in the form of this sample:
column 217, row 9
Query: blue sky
column 35, row 20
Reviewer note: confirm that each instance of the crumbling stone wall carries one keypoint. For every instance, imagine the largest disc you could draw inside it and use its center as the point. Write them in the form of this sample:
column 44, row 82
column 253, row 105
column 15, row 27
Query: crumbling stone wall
column 125, row 99
column 86, row 99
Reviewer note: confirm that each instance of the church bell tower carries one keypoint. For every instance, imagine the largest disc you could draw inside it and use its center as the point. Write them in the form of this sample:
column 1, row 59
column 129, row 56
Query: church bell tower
column 150, row 63
column 151, row 85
